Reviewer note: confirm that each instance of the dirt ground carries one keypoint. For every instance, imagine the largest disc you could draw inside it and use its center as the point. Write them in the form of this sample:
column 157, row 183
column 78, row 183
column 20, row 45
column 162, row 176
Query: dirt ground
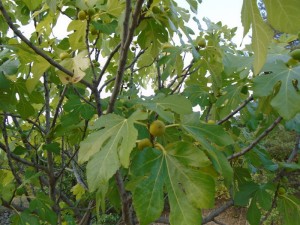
column 232, row 216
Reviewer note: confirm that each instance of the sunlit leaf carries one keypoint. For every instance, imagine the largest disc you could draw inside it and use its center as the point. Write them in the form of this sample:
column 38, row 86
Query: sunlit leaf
column 261, row 32
column 286, row 96
column 283, row 15
column 77, row 65
column 109, row 147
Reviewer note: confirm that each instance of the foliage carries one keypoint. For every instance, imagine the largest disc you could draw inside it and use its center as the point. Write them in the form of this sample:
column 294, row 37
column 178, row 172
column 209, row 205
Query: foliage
column 73, row 108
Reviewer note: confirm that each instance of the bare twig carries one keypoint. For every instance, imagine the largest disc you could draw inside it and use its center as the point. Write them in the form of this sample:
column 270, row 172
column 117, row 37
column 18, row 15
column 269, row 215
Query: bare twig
column 88, row 48
column 182, row 80
column 258, row 139
column 113, row 52
column 274, row 201
column 67, row 164
column 78, row 177
column 50, row 160
column 8, row 152
column 217, row 212
column 36, row 49
column 24, row 138
column 128, row 33
column 21, row 160
column 249, row 99
column 39, row 128
column 80, row 96
column 61, row 99
column 106, row 83
column 135, row 59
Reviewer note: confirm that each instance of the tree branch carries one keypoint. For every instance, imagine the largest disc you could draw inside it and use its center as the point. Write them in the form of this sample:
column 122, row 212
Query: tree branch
column 182, row 80
column 113, row 52
column 41, row 129
column 249, row 99
column 258, row 139
column 126, row 40
column 61, row 99
column 8, row 152
column 217, row 211
column 21, row 160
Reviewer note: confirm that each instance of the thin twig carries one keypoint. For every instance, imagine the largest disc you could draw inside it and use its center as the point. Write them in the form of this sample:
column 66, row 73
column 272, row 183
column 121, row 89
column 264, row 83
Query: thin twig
column 131, row 65
column 61, row 99
column 67, row 164
column 111, row 55
column 249, row 99
column 80, row 96
column 182, row 80
column 258, row 139
column 159, row 80
column 217, row 211
column 8, row 152
column 41, row 129
column 274, row 202
column 24, row 137
column 50, row 159
column 21, row 160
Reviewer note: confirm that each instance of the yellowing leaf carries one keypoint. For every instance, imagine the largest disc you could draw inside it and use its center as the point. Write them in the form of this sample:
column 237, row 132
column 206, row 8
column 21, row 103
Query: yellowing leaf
column 77, row 38
column 78, row 191
column 115, row 7
column 78, row 65
column 37, row 70
column 109, row 147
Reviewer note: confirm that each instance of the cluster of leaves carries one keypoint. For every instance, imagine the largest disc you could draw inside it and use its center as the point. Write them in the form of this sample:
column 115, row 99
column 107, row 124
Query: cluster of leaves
column 72, row 110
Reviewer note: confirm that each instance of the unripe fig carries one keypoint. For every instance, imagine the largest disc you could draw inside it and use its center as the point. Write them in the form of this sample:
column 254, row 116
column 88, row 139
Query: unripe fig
column 292, row 62
column 281, row 191
column 64, row 55
column 295, row 54
column 144, row 143
column 202, row 43
column 156, row 10
column 94, row 31
column 211, row 122
column 81, row 15
column 91, row 11
column 157, row 128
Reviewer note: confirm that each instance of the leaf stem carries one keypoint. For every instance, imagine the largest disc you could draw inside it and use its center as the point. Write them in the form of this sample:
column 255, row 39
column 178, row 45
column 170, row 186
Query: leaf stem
column 173, row 125
column 258, row 139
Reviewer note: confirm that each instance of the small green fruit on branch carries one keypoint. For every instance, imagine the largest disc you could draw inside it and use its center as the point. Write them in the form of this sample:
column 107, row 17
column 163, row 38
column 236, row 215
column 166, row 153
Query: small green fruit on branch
column 144, row 143
column 157, row 128
column 295, row 54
